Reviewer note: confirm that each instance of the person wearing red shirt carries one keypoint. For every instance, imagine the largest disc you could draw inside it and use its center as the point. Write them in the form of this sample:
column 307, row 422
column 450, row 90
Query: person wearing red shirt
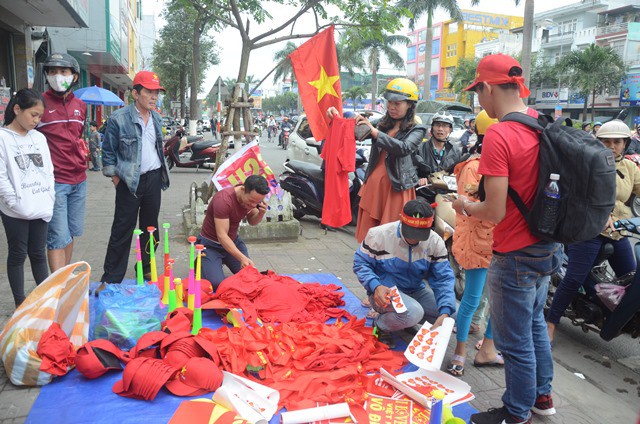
column 63, row 124
column 219, row 233
column 518, row 275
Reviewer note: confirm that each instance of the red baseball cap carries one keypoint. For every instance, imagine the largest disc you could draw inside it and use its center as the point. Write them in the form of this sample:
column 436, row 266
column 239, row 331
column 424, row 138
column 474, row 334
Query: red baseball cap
column 181, row 319
column 149, row 80
column 148, row 345
column 143, row 378
column 96, row 357
column 197, row 377
column 494, row 69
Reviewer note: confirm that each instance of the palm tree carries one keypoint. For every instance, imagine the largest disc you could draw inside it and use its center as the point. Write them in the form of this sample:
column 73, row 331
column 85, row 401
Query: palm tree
column 373, row 49
column 229, row 83
column 463, row 76
column 428, row 7
column 594, row 70
column 284, row 70
column 355, row 93
column 347, row 61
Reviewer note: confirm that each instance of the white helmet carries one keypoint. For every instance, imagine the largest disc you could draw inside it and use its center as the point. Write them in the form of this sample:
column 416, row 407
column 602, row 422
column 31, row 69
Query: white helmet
column 614, row 129
column 444, row 116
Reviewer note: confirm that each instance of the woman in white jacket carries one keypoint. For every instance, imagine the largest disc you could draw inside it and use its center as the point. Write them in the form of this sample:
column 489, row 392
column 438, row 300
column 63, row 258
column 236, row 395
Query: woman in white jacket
column 27, row 189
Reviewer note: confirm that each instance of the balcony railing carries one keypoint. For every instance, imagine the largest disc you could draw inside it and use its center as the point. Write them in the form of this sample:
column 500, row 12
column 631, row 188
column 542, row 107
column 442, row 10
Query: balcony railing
column 558, row 39
column 613, row 28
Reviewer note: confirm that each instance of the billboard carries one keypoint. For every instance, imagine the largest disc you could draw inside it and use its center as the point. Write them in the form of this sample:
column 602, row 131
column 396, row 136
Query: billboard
column 630, row 91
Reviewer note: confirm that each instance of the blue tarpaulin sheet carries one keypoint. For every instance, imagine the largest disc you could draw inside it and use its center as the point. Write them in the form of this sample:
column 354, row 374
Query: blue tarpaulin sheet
column 74, row 399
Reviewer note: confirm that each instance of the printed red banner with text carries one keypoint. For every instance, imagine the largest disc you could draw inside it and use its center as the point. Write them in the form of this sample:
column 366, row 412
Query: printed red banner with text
column 247, row 161
column 315, row 64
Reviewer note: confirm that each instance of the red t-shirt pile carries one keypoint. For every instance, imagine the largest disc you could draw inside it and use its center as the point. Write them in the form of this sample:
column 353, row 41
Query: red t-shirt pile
column 277, row 298
column 306, row 362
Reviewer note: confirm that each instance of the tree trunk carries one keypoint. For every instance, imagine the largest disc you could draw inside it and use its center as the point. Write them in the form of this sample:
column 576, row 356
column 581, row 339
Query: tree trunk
column 527, row 39
column 584, row 107
column 194, row 112
column 374, row 86
column 428, row 46
column 183, row 90
column 593, row 105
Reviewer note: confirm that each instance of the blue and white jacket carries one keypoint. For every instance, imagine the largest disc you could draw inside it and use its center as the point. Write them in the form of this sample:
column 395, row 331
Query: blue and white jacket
column 385, row 258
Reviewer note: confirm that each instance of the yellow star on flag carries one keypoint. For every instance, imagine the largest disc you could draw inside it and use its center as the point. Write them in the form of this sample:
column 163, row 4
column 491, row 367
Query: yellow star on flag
column 325, row 84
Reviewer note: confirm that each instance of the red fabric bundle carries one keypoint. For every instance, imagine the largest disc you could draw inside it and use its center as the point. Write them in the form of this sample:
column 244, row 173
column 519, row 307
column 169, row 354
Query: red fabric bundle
column 276, row 298
column 306, row 362
column 56, row 351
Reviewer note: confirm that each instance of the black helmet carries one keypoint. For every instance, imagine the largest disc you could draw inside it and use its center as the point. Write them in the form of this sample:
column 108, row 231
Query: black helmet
column 61, row 60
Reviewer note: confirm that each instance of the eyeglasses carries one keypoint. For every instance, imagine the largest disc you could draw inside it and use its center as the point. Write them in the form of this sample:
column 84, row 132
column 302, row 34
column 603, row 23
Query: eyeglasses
column 23, row 161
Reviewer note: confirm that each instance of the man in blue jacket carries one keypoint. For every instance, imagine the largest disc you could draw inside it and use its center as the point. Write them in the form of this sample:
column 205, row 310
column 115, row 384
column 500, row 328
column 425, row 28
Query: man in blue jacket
column 132, row 157
column 404, row 253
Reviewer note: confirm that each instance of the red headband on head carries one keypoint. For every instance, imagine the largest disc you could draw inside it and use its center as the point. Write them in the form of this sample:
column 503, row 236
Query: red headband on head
column 411, row 221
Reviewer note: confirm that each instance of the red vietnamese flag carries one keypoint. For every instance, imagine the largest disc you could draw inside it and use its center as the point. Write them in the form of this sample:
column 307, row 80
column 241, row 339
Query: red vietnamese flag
column 315, row 64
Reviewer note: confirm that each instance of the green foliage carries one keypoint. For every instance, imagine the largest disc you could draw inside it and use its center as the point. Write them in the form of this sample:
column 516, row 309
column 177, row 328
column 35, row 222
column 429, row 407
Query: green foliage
column 355, row 93
column 419, row 8
column 287, row 103
column 172, row 52
column 462, row 77
column 593, row 70
column 284, row 69
column 543, row 73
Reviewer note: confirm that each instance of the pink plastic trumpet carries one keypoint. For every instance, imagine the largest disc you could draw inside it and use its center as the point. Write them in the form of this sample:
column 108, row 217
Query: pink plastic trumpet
column 197, row 312
column 192, row 284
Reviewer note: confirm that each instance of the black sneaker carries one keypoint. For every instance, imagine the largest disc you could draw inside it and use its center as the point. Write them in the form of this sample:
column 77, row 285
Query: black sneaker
column 385, row 337
column 497, row 416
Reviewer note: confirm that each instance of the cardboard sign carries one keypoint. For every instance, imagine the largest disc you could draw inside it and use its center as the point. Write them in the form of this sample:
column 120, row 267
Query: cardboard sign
column 384, row 410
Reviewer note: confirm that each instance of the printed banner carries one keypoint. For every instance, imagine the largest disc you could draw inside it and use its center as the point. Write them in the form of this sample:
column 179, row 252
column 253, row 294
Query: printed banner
column 384, row 410
column 245, row 162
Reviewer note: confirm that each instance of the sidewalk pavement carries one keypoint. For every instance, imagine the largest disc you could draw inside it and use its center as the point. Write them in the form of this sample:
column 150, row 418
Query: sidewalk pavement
column 592, row 400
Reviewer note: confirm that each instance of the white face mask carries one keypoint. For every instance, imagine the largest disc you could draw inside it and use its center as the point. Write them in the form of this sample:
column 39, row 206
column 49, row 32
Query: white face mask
column 60, row 83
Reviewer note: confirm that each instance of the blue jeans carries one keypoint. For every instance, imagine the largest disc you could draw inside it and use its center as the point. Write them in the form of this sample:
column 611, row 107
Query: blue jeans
column 421, row 306
column 215, row 256
column 68, row 215
column 473, row 288
column 581, row 259
column 518, row 283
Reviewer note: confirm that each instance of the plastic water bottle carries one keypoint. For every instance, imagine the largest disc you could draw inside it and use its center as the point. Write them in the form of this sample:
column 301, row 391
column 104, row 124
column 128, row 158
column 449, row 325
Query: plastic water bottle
column 551, row 205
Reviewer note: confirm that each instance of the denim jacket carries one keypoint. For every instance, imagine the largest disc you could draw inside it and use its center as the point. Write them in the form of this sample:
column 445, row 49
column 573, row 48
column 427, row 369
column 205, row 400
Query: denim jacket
column 122, row 147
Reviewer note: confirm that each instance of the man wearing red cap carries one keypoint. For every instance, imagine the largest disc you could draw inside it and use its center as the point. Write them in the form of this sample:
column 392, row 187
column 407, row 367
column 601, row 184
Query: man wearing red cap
column 132, row 157
column 404, row 254
column 518, row 275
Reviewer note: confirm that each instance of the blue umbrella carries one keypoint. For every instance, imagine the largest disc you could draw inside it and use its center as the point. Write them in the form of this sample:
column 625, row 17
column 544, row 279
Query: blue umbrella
column 98, row 96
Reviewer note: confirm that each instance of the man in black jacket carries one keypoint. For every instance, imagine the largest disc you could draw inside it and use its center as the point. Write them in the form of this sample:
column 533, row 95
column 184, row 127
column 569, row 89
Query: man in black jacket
column 438, row 153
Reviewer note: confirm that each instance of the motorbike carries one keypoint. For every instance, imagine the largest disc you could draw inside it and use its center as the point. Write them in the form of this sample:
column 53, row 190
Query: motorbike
column 588, row 311
column 442, row 189
column 285, row 137
column 305, row 182
column 200, row 154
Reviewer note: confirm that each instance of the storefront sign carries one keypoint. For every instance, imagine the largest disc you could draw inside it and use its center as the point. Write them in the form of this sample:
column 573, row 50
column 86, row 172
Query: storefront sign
column 552, row 96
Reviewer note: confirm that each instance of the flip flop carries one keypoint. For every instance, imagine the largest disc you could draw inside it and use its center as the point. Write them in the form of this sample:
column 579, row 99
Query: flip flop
column 456, row 369
column 479, row 344
column 498, row 362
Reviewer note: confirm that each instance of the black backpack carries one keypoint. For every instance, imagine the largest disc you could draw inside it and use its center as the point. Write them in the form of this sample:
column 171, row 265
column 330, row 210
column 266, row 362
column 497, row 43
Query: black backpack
column 587, row 182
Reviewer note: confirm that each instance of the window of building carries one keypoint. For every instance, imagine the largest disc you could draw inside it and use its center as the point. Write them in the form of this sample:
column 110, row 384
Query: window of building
column 618, row 47
column 434, row 81
column 435, row 47
column 452, row 50
column 411, row 53
column 422, row 36
column 453, row 27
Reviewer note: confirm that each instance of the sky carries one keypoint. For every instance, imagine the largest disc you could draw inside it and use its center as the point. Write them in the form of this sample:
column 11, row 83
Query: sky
column 261, row 60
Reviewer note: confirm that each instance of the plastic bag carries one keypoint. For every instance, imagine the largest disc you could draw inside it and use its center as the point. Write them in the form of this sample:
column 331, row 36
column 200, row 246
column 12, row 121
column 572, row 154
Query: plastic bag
column 124, row 312
column 61, row 298
column 610, row 294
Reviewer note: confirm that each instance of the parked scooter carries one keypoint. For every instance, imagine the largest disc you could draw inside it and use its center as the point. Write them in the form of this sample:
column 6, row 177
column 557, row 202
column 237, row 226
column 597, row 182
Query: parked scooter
column 305, row 182
column 442, row 189
column 199, row 154
column 588, row 311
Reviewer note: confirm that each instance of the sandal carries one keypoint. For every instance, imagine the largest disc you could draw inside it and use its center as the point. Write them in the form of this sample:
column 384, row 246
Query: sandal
column 456, row 369
column 479, row 344
column 497, row 362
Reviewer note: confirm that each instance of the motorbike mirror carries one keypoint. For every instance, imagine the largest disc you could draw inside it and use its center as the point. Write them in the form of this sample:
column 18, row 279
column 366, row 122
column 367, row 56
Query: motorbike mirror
column 622, row 115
